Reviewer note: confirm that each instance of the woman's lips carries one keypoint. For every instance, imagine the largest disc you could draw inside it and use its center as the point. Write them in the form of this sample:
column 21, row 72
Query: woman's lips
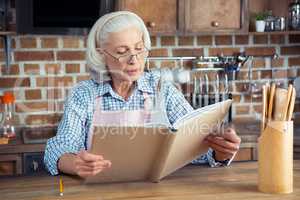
column 132, row 71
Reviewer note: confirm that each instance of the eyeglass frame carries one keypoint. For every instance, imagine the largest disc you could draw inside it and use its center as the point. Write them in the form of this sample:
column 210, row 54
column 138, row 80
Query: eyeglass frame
column 130, row 55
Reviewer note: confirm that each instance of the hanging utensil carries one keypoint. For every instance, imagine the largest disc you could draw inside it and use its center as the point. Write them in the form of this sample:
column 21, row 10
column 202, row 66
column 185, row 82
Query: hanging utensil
column 206, row 95
column 194, row 95
column 225, row 91
column 280, row 104
column 217, row 89
column 291, row 105
column 271, row 101
column 264, row 107
column 200, row 92
column 287, row 103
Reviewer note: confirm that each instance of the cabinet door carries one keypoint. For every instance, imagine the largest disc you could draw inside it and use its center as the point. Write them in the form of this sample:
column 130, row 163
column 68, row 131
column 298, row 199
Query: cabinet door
column 160, row 16
column 216, row 16
column 10, row 164
column 33, row 163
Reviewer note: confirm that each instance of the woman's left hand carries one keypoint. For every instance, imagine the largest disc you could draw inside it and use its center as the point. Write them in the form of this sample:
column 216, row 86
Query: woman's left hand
column 225, row 144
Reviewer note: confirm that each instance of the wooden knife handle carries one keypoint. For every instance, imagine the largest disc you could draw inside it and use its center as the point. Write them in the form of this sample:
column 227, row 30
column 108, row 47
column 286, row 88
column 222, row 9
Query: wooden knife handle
column 291, row 105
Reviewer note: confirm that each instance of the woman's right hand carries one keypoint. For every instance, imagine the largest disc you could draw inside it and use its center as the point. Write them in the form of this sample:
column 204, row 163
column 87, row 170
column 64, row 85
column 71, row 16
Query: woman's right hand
column 83, row 164
column 88, row 164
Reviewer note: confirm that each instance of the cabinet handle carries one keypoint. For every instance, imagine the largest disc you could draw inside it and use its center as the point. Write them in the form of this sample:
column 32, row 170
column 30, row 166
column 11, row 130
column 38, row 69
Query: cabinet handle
column 151, row 24
column 215, row 24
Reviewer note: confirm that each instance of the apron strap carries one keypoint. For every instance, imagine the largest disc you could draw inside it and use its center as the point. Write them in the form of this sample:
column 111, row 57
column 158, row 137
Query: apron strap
column 148, row 104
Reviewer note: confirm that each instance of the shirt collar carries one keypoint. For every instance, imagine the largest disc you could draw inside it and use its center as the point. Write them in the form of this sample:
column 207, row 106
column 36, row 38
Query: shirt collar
column 145, row 83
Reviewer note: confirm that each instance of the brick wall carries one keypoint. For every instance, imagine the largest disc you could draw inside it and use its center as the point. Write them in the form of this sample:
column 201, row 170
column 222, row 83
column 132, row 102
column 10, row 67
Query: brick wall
column 44, row 68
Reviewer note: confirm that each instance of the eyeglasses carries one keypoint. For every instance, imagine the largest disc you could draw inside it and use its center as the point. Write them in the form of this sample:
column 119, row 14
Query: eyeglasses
column 140, row 54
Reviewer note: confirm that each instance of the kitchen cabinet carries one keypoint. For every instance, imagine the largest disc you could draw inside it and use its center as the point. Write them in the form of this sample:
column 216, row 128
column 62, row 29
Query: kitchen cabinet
column 216, row 16
column 10, row 164
column 190, row 16
column 160, row 16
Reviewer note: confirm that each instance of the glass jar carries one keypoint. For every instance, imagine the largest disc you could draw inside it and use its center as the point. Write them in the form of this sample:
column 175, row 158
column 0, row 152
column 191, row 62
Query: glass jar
column 294, row 15
column 270, row 23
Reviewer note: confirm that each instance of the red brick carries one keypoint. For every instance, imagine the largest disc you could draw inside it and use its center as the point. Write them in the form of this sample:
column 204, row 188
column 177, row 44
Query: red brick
column 294, row 61
column 241, row 39
column 260, row 39
column 277, row 39
column 252, row 98
column 33, row 94
column 70, row 55
column 2, row 56
column 28, row 42
column 242, row 110
column 158, row 52
column 292, row 73
column 82, row 78
column 223, row 51
column 53, row 68
column 152, row 38
column 260, row 51
column 266, row 74
column 167, row 41
column 13, row 43
column 294, row 50
column 43, row 119
column 72, row 68
column 168, row 64
column 280, row 74
column 14, row 82
column 236, row 98
column 241, row 87
column 244, row 75
column 35, row 107
column 204, row 40
column 258, row 63
column 71, row 42
column 55, row 93
column 277, row 62
column 223, row 40
column 49, row 42
column 244, row 119
column 54, row 81
column 257, row 108
column 13, row 69
column 33, row 55
column 31, row 69
column 188, row 52
column 294, row 38
column 185, row 40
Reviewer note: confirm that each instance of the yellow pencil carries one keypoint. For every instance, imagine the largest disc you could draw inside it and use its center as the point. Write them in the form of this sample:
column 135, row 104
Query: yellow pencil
column 61, row 186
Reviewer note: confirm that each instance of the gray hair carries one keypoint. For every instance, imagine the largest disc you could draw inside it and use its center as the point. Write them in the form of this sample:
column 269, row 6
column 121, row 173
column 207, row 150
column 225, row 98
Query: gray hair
column 110, row 23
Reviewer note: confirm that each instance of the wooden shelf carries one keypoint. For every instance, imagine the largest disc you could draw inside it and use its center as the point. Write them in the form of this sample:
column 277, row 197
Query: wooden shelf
column 21, row 148
column 275, row 33
column 3, row 33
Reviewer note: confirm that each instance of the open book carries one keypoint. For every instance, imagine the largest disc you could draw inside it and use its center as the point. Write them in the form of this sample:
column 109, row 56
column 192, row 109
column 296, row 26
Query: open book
column 154, row 151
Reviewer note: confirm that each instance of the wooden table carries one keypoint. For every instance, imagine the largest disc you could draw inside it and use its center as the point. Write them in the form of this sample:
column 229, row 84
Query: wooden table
column 239, row 181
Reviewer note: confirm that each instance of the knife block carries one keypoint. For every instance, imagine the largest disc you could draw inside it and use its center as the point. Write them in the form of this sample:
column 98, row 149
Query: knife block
column 275, row 158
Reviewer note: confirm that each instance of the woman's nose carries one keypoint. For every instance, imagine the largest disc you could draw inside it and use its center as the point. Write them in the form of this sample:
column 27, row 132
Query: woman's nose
column 132, row 59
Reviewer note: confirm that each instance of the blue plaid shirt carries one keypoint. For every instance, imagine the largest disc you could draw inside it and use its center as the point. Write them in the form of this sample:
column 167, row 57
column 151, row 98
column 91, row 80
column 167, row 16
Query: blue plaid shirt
column 79, row 108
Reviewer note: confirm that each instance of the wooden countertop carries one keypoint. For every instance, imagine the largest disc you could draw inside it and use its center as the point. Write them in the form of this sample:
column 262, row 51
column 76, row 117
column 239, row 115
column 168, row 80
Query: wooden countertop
column 238, row 181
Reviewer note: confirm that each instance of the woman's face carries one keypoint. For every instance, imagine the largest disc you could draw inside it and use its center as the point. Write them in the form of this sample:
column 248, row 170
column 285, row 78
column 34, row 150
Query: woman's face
column 125, row 54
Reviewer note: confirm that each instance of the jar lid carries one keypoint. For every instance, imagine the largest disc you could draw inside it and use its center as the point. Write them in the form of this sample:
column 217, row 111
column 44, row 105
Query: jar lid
column 8, row 97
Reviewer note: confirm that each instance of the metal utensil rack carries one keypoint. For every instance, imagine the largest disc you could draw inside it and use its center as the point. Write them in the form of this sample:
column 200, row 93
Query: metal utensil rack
column 207, row 89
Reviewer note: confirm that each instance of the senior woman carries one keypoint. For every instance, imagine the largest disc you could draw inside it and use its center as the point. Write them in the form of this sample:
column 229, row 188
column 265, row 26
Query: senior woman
column 117, row 47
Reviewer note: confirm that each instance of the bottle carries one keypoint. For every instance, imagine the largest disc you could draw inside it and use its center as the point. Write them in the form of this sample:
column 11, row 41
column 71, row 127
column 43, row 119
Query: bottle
column 294, row 15
column 7, row 125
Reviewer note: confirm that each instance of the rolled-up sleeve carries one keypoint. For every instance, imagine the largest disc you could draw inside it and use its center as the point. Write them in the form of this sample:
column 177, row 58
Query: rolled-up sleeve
column 70, row 137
